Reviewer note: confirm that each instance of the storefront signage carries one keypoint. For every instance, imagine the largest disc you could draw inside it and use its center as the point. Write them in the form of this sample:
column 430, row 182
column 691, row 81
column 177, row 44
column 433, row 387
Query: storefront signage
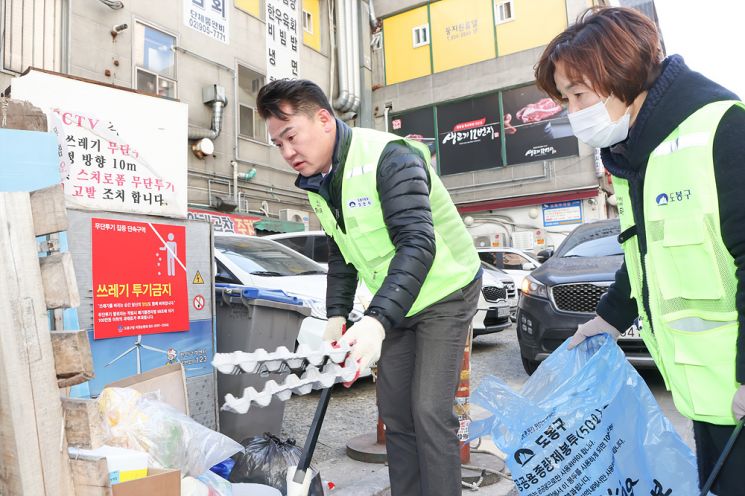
column 226, row 223
column 469, row 135
column 282, row 39
column 562, row 213
column 209, row 17
column 536, row 128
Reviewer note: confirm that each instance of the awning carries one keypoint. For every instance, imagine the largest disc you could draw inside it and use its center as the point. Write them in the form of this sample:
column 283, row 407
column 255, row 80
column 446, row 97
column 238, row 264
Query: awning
column 278, row 226
column 523, row 201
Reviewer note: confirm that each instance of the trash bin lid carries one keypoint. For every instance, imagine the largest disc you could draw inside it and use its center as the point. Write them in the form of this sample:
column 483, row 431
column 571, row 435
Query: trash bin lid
column 228, row 291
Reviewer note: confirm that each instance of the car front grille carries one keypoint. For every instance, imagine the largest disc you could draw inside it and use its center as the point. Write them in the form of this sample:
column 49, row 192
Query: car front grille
column 581, row 297
column 493, row 293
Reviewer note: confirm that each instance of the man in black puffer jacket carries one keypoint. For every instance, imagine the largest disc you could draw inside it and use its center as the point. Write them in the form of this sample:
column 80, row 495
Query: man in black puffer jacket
column 390, row 221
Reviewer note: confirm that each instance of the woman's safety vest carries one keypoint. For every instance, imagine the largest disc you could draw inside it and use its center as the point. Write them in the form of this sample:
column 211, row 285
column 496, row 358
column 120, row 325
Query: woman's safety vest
column 366, row 243
column 689, row 271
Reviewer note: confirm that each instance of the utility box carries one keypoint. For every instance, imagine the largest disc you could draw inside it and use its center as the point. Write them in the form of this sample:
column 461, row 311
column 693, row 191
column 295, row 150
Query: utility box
column 248, row 319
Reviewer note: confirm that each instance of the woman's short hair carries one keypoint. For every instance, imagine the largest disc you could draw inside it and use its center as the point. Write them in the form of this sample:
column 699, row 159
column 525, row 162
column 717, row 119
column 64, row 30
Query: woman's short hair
column 616, row 50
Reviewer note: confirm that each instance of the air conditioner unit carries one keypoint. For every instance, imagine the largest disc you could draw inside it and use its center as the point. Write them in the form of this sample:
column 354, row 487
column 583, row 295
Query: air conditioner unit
column 523, row 240
column 482, row 241
column 292, row 215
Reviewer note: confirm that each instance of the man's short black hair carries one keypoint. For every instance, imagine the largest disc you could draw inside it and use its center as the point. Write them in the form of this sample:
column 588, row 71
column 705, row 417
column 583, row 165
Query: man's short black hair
column 300, row 94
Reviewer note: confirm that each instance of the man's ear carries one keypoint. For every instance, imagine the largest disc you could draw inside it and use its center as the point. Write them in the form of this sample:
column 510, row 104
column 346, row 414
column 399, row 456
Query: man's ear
column 327, row 120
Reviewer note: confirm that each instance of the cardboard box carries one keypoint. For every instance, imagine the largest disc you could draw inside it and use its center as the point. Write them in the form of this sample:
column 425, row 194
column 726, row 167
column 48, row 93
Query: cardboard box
column 158, row 481
column 122, row 464
column 168, row 383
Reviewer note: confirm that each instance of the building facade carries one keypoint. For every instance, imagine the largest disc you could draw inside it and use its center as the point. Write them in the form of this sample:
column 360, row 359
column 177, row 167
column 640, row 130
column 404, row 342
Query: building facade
column 213, row 55
column 459, row 75
column 456, row 74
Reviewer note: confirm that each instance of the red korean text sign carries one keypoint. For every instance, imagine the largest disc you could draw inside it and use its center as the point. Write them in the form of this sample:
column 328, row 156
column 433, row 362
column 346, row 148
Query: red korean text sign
column 139, row 278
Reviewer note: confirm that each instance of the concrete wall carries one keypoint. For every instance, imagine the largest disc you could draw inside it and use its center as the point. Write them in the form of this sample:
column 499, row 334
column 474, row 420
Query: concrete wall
column 200, row 61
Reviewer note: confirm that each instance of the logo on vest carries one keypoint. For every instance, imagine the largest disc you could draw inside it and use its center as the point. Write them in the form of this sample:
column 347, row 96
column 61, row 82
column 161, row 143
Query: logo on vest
column 674, row 197
column 363, row 201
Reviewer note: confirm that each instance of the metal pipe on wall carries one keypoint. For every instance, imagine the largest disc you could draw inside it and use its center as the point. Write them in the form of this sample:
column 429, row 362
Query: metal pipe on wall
column 373, row 19
column 349, row 51
column 257, row 186
column 356, row 84
column 341, row 54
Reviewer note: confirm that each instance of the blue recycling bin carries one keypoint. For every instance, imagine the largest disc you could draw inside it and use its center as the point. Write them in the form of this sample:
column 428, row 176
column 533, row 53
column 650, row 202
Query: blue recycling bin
column 248, row 319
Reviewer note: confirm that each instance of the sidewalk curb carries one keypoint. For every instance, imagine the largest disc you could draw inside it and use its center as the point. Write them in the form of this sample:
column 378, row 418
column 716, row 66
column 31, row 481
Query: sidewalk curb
column 354, row 478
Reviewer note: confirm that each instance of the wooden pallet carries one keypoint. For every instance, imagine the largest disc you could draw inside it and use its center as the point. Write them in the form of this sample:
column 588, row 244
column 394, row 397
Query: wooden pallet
column 37, row 422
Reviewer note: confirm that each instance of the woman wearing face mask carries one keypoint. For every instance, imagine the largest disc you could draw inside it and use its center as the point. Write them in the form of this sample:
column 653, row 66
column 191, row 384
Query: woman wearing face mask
column 674, row 142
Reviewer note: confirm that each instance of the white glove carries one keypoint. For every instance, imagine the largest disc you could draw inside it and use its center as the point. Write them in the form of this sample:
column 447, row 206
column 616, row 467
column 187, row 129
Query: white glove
column 738, row 403
column 593, row 327
column 365, row 338
column 334, row 329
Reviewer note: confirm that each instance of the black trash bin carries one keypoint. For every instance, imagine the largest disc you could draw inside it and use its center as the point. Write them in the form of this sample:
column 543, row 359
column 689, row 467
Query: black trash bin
column 248, row 319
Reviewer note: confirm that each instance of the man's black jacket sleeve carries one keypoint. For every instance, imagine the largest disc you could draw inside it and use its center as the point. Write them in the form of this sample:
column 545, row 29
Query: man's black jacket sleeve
column 341, row 283
column 403, row 188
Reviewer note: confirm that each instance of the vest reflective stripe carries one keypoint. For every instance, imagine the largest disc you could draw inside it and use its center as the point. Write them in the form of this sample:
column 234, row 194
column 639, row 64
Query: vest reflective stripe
column 366, row 243
column 690, row 273
column 687, row 141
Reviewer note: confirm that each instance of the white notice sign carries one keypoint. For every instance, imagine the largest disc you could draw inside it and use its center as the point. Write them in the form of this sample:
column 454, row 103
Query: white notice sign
column 209, row 17
column 119, row 151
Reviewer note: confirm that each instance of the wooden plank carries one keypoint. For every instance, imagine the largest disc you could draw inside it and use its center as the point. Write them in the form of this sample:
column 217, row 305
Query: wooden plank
column 33, row 458
column 60, row 285
column 48, row 210
column 73, row 362
column 91, row 476
column 84, row 423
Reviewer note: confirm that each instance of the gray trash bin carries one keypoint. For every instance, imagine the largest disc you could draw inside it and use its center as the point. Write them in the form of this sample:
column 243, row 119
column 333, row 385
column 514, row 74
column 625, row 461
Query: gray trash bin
column 248, row 319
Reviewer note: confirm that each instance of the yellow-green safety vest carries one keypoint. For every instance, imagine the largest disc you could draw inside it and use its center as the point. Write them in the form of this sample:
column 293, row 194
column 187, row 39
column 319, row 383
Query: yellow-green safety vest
column 366, row 243
column 690, row 273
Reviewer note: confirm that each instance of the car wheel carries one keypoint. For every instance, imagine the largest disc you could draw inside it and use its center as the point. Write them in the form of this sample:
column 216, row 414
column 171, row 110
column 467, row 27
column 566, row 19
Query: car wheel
column 529, row 365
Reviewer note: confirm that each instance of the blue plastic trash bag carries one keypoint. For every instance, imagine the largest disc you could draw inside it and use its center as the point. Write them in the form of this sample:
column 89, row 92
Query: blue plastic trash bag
column 223, row 468
column 585, row 423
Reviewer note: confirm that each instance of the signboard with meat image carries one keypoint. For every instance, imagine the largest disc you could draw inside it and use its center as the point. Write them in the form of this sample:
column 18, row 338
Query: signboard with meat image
column 415, row 124
column 536, row 128
column 418, row 125
column 469, row 135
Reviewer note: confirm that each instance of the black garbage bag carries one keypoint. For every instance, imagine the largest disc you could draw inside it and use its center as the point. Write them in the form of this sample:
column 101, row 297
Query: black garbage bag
column 264, row 460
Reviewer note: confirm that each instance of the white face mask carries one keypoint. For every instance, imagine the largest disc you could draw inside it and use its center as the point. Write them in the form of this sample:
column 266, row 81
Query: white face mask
column 593, row 125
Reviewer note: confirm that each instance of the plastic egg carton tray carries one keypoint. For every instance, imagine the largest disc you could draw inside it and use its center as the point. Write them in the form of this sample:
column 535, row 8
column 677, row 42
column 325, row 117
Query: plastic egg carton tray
column 312, row 378
column 279, row 361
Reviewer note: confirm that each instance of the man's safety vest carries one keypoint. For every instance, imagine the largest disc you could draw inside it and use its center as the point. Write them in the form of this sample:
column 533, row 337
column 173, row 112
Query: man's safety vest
column 689, row 271
column 366, row 243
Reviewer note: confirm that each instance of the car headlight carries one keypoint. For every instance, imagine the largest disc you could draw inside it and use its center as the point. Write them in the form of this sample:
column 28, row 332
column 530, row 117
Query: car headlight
column 532, row 287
